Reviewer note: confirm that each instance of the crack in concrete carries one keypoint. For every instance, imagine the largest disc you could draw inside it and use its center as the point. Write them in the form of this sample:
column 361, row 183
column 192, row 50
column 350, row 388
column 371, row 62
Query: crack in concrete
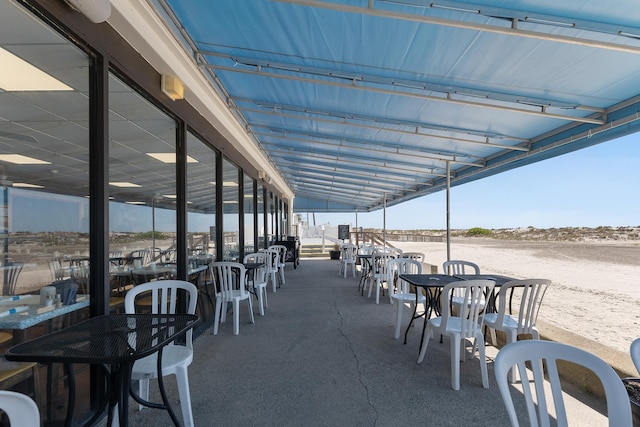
column 355, row 356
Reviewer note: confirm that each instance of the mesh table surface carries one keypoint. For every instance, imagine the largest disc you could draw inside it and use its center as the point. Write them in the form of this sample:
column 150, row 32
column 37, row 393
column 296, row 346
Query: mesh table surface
column 107, row 339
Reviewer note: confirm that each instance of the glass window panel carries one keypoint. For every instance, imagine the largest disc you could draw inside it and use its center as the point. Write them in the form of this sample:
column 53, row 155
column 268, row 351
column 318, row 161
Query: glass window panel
column 249, row 230
column 142, row 186
column 271, row 218
column 260, row 213
column 201, row 201
column 285, row 220
column 231, row 214
column 45, row 209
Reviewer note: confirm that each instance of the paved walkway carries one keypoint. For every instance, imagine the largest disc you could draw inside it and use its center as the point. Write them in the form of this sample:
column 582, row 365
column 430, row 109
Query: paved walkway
column 323, row 355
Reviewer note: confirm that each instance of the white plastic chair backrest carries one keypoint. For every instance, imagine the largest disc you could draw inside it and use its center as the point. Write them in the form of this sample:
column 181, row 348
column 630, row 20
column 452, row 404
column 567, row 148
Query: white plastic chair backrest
column 272, row 259
column 531, row 292
column 418, row 256
column 21, row 410
column 635, row 353
column 473, row 292
column 282, row 252
column 379, row 262
column 398, row 266
column 10, row 272
column 260, row 273
column 390, row 250
column 365, row 250
column 518, row 353
column 230, row 277
column 349, row 252
column 164, row 299
column 456, row 266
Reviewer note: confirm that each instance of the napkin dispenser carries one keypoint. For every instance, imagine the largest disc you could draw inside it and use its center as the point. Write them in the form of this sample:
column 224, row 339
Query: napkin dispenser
column 68, row 291
column 47, row 295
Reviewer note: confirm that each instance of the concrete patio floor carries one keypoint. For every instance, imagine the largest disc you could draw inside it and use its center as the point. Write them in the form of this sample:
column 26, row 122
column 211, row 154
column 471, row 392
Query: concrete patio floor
column 323, row 355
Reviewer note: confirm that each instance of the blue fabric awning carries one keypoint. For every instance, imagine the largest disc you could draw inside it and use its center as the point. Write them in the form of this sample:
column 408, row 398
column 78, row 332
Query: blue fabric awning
column 355, row 99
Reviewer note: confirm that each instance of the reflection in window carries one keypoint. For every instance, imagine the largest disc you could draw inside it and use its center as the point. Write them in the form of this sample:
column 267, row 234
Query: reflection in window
column 260, row 215
column 249, row 231
column 284, row 215
column 142, row 187
column 231, row 215
column 201, row 201
column 44, row 157
column 271, row 218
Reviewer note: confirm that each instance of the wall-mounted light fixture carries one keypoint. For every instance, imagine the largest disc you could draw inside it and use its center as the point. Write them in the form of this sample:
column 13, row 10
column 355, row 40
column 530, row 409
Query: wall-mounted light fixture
column 172, row 87
column 96, row 10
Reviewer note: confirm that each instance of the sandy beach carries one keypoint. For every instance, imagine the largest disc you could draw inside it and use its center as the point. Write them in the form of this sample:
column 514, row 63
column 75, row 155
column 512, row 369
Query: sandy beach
column 595, row 289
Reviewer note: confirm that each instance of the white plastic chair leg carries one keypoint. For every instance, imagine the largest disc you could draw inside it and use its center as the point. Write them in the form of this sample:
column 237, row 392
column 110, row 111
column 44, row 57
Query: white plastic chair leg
column 236, row 316
column 398, row 305
column 251, row 310
column 428, row 334
column 143, row 391
column 512, row 336
column 378, row 285
column 282, row 276
column 272, row 277
column 260, row 301
column 216, row 316
column 494, row 340
column 455, row 362
column 182, row 378
column 483, row 362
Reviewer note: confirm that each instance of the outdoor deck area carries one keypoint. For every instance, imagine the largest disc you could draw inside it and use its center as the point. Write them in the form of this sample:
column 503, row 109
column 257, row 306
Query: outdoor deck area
column 323, row 355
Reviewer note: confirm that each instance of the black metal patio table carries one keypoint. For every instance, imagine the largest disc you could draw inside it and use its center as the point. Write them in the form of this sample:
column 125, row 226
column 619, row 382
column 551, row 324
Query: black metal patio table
column 114, row 342
column 365, row 261
column 433, row 285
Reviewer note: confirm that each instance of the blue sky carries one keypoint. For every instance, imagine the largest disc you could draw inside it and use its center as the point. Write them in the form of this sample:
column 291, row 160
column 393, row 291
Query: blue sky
column 595, row 186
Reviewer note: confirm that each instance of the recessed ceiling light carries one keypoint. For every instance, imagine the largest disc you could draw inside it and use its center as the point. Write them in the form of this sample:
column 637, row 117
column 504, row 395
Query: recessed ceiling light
column 135, row 203
column 169, row 157
column 230, row 184
column 124, row 184
column 230, row 202
column 19, row 159
column 17, row 74
column 169, row 196
column 26, row 185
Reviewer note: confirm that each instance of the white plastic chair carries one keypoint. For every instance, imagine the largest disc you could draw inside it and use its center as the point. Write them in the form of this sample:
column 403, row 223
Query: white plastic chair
column 348, row 258
column 457, row 266
column 175, row 357
column 257, row 279
column 466, row 326
column 379, row 272
column 399, row 290
column 454, row 267
column 21, row 410
column 272, row 266
column 282, row 256
column 536, row 351
column 230, row 280
column 635, row 353
column 530, row 292
column 58, row 272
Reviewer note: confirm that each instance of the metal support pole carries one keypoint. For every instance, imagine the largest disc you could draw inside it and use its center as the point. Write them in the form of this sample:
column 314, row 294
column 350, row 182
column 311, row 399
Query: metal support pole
column 448, row 213
column 384, row 221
